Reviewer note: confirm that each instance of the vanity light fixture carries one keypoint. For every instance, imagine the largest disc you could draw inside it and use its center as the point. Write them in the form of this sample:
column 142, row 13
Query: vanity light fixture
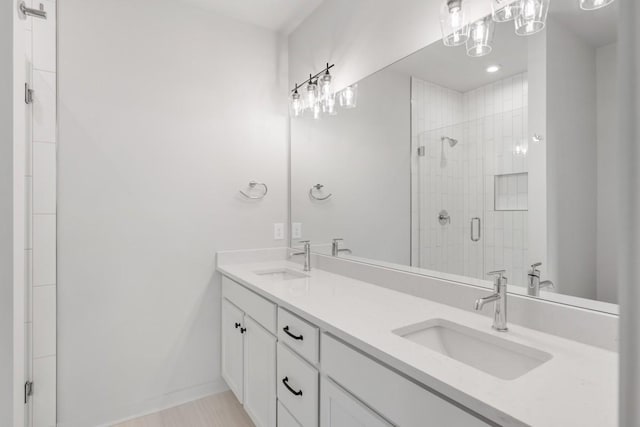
column 480, row 37
column 504, row 10
column 320, row 97
column 594, row 4
column 532, row 16
column 493, row 68
column 455, row 29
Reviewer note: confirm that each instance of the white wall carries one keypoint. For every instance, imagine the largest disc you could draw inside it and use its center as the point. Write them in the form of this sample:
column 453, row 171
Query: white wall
column 6, row 214
column 608, row 133
column 166, row 111
column 12, row 203
column 362, row 156
column 571, row 161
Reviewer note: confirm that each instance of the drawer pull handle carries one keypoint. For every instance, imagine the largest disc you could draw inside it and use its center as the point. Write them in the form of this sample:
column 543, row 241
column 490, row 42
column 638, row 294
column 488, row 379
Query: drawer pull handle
column 295, row 337
column 237, row 325
column 285, row 381
column 243, row 330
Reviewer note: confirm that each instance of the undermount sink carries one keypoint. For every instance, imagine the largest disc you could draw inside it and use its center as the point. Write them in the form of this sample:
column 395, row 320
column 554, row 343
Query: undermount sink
column 496, row 356
column 281, row 274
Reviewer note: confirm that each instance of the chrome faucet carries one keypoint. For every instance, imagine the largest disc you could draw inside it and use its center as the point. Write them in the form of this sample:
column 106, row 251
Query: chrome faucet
column 533, row 281
column 500, row 298
column 335, row 247
column 306, row 253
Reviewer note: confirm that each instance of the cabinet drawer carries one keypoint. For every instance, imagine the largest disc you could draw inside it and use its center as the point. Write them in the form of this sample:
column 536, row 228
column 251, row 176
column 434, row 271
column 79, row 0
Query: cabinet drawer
column 298, row 386
column 339, row 409
column 260, row 309
column 300, row 335
column 285, row 419
column 395, row 397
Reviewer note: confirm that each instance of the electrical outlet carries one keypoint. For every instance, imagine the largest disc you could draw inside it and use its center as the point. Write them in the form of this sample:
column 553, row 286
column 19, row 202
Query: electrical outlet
column 296, row 230
column 278, row 231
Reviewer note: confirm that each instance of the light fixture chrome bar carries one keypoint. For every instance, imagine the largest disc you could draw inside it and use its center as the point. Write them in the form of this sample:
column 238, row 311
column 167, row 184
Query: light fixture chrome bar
column 36, row 13
column 324, row 70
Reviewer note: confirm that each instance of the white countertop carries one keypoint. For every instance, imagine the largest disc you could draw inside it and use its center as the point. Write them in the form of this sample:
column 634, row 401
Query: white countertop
column 577, row 387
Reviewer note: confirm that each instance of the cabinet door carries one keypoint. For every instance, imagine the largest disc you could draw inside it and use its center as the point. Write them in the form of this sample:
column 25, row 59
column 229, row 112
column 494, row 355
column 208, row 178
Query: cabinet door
column 339, row 409
column 232, row 347
column 259, row 374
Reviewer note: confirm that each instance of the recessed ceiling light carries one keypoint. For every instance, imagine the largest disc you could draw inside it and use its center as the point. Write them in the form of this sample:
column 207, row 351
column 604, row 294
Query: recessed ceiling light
column 493, row 68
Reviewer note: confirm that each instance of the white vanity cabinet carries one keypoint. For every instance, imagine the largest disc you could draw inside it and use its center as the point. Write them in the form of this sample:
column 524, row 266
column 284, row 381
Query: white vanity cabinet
column 289, row 373
column 249, row 351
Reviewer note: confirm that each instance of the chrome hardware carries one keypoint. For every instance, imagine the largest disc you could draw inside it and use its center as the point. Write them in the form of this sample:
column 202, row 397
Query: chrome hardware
column 252, row 185
column 422, row 151
column 476, row 239
column 306, row 253
column 500, row 298
column 27, row 11
column 444, row 218
column 28, row 391
column 318, row 188
column 28, row 94
column 335, row 247
column 533, row 281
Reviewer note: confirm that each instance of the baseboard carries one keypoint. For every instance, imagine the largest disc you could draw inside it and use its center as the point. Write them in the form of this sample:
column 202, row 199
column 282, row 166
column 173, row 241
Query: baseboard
column 173, row 399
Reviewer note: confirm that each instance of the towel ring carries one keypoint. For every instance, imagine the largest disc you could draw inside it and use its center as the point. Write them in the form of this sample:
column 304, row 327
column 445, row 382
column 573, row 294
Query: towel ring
column 318, row 187
column 253, row 185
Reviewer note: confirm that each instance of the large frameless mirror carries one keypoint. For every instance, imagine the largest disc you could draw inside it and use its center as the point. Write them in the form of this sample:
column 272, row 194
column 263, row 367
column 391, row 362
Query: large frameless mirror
column 491, row 155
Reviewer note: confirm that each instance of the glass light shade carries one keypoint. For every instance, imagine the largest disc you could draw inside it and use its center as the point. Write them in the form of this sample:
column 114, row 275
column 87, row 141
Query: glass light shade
column 455, row 30
column 349, row 96
column 296, row 106
column 594, row 4
column 326, row 89
column 316, row 109
column 532, row 16
column 329, row 105
column 312, row 93
column 503, row 11
column 480, row 37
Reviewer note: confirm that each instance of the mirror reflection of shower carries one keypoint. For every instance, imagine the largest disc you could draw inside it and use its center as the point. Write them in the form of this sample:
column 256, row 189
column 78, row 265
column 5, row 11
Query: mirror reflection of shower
column 452, row 143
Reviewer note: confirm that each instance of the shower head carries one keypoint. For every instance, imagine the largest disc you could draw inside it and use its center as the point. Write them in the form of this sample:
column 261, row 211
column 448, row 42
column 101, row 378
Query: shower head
column 451, row 141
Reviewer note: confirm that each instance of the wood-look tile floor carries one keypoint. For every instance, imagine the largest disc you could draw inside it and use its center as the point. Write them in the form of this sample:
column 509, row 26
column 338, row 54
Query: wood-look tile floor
column 219, row 410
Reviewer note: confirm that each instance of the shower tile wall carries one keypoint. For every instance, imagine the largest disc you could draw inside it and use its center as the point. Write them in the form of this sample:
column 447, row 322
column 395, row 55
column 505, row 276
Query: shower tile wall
column 488, row 122
column 40, row 245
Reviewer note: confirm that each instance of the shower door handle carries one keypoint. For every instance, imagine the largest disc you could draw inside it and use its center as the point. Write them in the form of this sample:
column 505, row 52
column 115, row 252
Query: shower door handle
column 473, row 220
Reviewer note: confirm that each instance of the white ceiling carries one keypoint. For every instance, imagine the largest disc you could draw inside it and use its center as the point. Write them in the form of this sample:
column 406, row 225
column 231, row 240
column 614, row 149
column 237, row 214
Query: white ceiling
column 277, row 15
column 452, row 68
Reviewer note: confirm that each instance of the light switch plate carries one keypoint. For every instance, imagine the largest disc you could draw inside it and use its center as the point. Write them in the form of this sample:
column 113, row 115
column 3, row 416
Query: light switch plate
column 278, row 231
column 296, row 230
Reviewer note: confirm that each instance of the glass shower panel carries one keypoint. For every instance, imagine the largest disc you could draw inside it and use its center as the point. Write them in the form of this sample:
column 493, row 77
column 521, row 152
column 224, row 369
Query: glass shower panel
column 450, row 199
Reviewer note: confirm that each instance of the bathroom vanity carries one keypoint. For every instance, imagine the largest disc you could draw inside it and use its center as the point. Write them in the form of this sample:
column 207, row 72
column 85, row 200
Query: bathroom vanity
column 321, row 349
